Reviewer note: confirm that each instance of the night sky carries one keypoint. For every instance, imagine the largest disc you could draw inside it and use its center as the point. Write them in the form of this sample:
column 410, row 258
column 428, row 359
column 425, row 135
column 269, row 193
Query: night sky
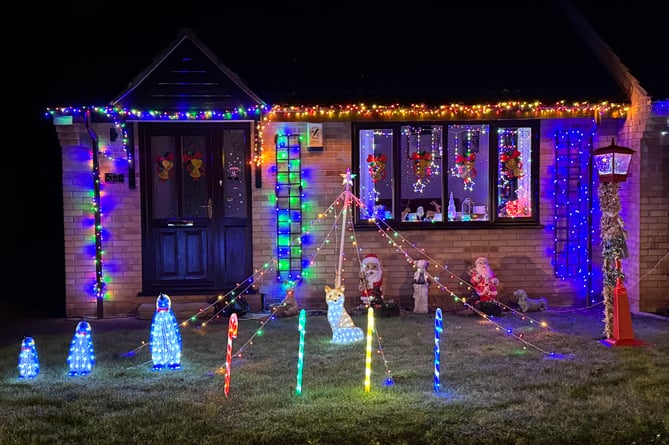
column 86, row 53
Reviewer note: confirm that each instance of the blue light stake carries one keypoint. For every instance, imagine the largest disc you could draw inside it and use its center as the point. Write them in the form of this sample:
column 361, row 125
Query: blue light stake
column 437, row 331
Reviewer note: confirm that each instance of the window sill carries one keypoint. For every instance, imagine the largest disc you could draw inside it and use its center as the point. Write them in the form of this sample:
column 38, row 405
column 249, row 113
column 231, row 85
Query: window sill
column 451, row 225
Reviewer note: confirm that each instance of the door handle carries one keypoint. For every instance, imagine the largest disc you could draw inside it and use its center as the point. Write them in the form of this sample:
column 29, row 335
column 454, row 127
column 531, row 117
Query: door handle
column 210, row 208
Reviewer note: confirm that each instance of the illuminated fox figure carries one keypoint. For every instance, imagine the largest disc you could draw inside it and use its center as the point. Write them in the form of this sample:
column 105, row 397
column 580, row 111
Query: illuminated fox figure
column 343, row 329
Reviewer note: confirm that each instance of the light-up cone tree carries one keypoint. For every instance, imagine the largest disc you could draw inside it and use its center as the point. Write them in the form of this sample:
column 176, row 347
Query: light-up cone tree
column 612, row 163
column 165, row 339
column 81, row 357
column 28, row 359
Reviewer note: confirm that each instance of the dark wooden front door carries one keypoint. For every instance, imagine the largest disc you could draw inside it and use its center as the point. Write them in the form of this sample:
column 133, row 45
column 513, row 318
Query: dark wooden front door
column 196, row 236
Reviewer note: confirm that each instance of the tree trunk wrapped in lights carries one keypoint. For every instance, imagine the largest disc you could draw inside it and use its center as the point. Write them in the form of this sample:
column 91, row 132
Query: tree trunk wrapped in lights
column 614, row 247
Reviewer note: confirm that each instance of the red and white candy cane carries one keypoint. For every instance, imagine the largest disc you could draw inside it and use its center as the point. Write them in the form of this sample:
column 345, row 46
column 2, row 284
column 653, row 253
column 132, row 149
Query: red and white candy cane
column 232, row 333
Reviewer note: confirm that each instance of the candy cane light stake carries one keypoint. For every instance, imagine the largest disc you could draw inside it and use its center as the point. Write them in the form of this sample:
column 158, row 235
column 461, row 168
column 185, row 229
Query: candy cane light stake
column 232, row 333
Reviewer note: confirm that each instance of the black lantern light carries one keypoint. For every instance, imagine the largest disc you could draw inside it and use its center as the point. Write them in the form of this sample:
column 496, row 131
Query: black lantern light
column 612, row 162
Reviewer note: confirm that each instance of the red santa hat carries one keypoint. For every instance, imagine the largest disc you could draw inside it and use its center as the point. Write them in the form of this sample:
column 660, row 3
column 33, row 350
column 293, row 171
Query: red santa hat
column 371, row 258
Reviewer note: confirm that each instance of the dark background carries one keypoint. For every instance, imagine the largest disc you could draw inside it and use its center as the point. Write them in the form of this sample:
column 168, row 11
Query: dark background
column 86, row 53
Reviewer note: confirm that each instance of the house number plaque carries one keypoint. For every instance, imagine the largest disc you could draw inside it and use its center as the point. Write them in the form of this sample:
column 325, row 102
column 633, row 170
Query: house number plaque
column 114, row 178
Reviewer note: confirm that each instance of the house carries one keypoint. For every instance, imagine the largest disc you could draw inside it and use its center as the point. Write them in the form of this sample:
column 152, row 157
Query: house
column 201, row 188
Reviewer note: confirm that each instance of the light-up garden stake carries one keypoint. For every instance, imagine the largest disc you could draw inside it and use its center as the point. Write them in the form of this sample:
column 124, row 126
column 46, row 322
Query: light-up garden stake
column 300, row 355
column 233, row 326
column 368, row 350
column 438, row 327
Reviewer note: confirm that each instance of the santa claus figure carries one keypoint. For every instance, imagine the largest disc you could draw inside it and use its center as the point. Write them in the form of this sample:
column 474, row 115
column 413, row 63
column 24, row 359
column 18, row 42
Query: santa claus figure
column 371, row 279
column 484, row 280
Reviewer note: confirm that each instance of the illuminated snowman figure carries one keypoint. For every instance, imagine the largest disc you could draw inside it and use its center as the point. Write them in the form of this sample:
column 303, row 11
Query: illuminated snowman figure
column 81, row 357
column 28, row 360
column 165, row 341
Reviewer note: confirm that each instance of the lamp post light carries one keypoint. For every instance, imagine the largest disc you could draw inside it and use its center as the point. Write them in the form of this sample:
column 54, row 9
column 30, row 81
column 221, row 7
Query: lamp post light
column 613, row 163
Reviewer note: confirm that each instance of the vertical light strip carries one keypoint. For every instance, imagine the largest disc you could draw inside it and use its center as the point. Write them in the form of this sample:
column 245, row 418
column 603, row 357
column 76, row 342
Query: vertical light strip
column 232, row 333
column 301, row 327
column 438, row 328
column 368, row 359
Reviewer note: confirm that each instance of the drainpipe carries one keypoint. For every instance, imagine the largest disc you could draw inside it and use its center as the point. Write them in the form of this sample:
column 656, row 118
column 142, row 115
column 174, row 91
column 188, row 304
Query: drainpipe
column 99, row 284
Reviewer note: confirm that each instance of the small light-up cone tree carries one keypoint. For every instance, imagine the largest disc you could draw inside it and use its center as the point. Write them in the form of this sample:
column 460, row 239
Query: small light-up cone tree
column 81, row 356
column 165, row 339
column 28, row 359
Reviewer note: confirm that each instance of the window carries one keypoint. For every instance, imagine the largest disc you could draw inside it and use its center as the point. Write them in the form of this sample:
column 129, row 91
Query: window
column 460, row 174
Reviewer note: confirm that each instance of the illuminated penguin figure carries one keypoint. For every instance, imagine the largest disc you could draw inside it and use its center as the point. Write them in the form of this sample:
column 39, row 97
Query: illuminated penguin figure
column 165, row 341
column 28, row 360
column 81, row 357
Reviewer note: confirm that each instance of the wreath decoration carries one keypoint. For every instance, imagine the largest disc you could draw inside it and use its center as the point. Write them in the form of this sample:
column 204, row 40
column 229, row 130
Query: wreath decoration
column 422, row 164
column 165, row 166
column 465, row 168
column 512, row 165
column 422, row 168
column 377, row 166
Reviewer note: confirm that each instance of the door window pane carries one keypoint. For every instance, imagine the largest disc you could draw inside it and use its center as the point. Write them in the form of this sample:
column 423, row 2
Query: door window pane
column 195, row 195
column 234, row 167
column 164, row 187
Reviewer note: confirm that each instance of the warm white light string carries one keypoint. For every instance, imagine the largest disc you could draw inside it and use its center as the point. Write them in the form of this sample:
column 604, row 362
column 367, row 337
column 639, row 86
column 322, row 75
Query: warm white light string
column 237, row 290
column 249, row 282
column 437, row 280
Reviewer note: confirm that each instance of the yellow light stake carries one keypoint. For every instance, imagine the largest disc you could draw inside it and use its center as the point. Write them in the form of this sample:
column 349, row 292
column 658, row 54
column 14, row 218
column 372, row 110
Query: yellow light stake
column 368, row 359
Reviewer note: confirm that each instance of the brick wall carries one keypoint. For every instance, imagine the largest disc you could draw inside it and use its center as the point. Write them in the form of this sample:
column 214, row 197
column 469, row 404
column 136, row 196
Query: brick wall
column 520, row 257
column 651, row 285
column 121, row 224
column 645, row 207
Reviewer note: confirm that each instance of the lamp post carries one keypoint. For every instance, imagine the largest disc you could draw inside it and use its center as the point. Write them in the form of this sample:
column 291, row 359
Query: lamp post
column 612, row 163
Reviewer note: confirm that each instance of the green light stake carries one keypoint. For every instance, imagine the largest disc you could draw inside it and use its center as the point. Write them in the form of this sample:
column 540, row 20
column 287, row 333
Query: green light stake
column 300, row 355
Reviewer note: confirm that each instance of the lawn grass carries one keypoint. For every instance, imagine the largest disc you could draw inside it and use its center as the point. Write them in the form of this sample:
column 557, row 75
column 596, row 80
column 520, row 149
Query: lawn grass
column 536, row 385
